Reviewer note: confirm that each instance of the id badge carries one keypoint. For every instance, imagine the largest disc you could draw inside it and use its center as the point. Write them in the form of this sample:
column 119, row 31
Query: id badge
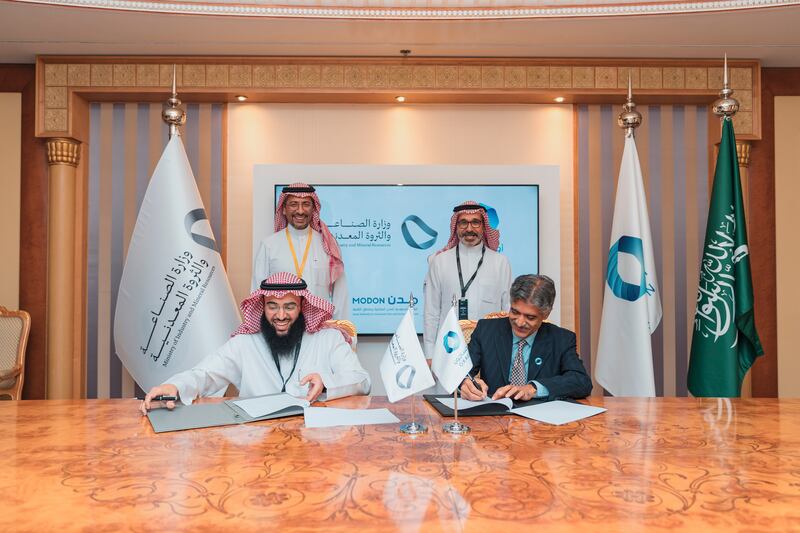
column 463, row 309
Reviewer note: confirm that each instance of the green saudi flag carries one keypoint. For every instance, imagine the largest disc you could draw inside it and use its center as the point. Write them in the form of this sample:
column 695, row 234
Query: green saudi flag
column 725, row 342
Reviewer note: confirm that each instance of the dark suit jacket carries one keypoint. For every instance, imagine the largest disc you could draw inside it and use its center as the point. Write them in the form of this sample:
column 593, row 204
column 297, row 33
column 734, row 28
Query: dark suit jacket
column 561, row 371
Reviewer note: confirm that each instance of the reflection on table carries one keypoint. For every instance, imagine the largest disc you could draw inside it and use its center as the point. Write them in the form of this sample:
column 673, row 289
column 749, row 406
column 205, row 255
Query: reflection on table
column 661, row 463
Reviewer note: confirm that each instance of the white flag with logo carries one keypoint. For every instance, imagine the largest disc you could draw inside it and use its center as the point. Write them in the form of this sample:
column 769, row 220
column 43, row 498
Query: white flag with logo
column 175, row 304
column 631, row 303
column 451, row 360
column 404, row 369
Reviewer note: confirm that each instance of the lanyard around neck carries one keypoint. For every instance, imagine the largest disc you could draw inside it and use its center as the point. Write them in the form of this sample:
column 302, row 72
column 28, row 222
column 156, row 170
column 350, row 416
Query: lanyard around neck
column 294, row 365
column 299, row 268
column 464, row 288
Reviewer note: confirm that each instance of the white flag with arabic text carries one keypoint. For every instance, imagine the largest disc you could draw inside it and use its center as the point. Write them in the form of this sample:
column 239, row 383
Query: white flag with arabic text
column 175, row 305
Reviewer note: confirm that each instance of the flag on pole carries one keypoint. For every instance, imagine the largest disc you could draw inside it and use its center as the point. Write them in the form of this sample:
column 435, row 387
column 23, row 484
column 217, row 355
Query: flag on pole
column 631, row 303
column 451, row 360
column 404, row 369
column 175, row 304
column 724, row 342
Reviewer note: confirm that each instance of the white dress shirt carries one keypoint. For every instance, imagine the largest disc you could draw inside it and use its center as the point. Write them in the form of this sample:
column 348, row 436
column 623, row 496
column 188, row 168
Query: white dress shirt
column 247, row 363
column 274, row 255
column 488, row 293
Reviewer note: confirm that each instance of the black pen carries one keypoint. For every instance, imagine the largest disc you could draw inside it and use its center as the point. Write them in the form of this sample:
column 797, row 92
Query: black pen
column 472, row 379
column 161, row 398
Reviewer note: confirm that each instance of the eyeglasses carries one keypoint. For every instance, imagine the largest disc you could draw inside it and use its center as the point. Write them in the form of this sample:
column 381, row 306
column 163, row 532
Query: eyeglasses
column 295, row 205
column 474, row 223
column 275, row 307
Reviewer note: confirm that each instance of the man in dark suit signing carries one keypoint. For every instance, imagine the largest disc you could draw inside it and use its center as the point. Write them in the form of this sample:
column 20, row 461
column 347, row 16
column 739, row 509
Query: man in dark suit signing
column 522, row 357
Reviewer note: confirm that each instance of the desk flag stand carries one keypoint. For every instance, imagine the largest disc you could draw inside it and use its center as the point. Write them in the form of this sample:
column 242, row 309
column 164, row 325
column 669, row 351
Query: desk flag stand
column 413, row 428
column 455, row 427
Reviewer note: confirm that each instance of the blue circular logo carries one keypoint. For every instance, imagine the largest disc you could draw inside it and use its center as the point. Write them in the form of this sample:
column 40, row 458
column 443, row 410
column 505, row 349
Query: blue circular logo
column 621, row 288
column 405, row 376
column 538, row 361
column 491, row 214
column 414, row 219
column 450, row 341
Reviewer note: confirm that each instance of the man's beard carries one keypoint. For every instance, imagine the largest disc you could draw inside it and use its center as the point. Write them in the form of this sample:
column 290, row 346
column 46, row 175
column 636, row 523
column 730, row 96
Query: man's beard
column 283, row 346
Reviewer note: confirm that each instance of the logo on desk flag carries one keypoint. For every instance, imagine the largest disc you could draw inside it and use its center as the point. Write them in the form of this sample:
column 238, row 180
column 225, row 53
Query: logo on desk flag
column 175, row 304
column 451, row 360
column 404, row 369
column 631, row 303
column 725, row 342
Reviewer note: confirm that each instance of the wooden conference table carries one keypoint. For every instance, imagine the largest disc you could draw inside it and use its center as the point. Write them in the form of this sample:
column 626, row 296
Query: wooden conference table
column 660, row 464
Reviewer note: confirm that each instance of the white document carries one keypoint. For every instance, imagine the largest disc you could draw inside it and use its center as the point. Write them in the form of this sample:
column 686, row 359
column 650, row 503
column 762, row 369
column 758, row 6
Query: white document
column 266, row 405
column 463, row 405
column 325, row 417
column 558, row 412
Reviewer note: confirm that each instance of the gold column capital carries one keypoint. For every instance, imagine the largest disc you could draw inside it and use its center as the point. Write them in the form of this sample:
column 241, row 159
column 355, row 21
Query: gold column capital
column 63, row 151
column 743, row 153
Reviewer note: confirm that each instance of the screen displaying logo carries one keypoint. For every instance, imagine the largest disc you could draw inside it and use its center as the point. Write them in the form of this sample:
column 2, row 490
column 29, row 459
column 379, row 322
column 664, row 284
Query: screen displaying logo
column 414, row 220
column 491, row 214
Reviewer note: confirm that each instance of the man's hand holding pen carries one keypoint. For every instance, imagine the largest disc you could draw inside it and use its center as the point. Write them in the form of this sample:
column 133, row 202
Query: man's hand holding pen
column 161, row 396
column 474, row 389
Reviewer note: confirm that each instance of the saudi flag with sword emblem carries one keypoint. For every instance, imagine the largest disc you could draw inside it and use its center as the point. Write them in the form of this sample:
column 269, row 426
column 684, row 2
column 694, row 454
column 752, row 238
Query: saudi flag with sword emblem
column 725, row 342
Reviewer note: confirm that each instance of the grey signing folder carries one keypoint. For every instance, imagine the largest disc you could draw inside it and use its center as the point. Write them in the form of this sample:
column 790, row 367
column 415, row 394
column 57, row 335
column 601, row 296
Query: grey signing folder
column 206, row 415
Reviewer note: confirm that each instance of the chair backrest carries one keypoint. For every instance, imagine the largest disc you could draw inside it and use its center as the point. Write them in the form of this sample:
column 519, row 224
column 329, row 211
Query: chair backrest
column 499, row 314
column 467, row 327
column 14, row 329
column 348, row 327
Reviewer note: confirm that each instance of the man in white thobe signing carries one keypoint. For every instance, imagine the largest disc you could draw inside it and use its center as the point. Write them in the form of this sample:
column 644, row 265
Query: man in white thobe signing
column 283, row 345
column 469, row 269
column 303, row 244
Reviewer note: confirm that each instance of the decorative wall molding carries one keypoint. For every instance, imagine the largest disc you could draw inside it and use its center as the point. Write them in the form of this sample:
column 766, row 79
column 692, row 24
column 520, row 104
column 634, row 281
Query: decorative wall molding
column 63, row 152
column 63, row 79
column 437, row 10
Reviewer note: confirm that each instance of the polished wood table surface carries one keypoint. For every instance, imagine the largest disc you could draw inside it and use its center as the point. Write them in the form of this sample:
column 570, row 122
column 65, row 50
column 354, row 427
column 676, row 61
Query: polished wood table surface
column 659, row 464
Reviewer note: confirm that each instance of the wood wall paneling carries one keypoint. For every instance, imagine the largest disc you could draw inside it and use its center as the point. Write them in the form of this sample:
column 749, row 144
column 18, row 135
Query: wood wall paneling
column 269, row 81
column 33, row 227
column 761, row 227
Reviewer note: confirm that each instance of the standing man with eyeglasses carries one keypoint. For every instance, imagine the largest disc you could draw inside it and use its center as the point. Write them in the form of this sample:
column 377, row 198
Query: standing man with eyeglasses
column 303, row 245
column 468, row 268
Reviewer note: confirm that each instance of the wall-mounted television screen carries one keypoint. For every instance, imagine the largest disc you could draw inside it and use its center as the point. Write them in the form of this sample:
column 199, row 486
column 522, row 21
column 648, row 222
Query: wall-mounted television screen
column 387, row 233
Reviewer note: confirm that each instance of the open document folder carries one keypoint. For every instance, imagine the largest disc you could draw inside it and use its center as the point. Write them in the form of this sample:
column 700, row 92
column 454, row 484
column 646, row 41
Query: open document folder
column 554, row 412
column 239, row 411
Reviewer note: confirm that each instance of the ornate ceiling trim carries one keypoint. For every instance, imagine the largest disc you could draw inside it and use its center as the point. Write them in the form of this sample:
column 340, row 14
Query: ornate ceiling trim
column 391, row 10
column 67, row 83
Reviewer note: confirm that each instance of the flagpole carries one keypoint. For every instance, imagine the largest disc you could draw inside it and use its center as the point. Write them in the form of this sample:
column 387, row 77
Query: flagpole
column 723, row 351
column 455, row 427
column 413, row 428
column 629, row 119
column 171, row 112
column 726, row 105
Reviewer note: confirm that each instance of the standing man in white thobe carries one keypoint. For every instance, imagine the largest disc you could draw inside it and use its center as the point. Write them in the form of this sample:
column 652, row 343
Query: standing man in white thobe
column 303, row 244
column 283, row 345
column 469, row 269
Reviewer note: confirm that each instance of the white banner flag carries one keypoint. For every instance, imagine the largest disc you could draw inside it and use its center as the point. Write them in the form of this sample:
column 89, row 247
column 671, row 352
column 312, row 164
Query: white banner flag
column 451, row 360
column 631, row 304
column 175, row 304
column 404, row 369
